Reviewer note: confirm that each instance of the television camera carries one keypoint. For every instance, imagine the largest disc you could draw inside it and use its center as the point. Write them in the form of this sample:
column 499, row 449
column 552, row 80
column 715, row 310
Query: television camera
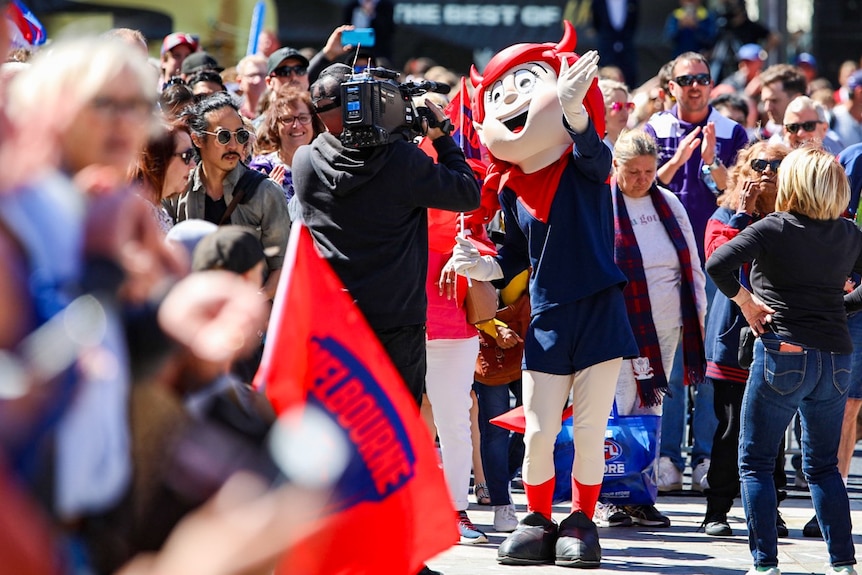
column 376, row 110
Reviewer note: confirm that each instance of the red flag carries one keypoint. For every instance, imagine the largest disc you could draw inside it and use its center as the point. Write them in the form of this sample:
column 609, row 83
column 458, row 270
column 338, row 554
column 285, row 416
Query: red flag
column 515, row 420
column 391, row 510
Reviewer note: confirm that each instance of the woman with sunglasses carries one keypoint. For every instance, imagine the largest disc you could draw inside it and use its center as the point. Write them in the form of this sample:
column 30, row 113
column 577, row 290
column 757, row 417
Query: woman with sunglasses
column 288, row 123
column 800, row 257
column 750, row 196
column 163, row 168
column 617, row 109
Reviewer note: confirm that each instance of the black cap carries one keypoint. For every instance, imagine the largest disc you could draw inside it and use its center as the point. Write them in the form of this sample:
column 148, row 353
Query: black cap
column 232, row 248
column 198, row 62
column 283, row 54
column 328, row 83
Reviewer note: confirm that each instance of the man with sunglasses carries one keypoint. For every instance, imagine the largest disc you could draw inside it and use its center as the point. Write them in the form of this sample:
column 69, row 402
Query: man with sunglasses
column 696, row 143
column 287, row 67
column 220, row 137
column 805, row 124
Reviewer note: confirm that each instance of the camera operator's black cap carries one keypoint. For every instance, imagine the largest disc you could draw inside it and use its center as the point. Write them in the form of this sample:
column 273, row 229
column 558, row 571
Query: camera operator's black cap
column 282, row 54
column 328, row 83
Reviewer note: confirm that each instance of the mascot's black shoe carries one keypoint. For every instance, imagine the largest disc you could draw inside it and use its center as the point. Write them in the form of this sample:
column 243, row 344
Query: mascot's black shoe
column 532, row 542
column 578, row 542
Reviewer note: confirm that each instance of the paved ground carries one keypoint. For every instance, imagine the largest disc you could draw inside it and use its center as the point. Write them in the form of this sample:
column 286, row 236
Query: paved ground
column 680, row 549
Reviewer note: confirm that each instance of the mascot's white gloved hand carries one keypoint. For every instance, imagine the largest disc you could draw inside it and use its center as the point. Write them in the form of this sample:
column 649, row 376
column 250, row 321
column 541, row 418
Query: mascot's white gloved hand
column 572, row 85
column 466, row 260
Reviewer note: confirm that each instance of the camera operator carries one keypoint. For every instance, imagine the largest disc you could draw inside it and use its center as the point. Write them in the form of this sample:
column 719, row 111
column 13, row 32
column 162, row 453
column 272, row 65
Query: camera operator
column 367, row 211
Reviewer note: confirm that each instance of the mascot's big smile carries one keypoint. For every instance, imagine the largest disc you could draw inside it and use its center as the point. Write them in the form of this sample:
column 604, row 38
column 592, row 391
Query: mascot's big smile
column 516, row 124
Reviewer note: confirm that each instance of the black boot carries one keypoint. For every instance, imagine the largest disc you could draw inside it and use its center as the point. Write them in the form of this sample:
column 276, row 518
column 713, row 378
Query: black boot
column 578, row 542
column 715, row 522
column 532, row 542
column 812, row 529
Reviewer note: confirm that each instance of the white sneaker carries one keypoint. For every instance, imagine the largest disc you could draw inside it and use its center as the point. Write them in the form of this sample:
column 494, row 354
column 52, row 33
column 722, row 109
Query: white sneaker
column 763, row 571
column 505, row 520
column 669, row 477
column 840, row 570
column 698, row 476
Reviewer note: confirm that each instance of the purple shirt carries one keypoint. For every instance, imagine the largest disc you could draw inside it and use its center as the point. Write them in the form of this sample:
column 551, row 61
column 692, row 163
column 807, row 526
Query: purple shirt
column 687, row 183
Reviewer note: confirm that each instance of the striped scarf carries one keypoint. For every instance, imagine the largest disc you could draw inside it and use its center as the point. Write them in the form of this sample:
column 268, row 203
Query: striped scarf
column 628, row 257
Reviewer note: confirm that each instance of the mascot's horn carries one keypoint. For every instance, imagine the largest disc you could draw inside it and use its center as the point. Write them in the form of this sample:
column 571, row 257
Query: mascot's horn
column 569, row 40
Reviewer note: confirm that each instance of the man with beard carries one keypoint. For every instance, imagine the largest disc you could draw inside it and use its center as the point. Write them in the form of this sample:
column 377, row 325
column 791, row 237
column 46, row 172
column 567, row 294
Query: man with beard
column 220, row 191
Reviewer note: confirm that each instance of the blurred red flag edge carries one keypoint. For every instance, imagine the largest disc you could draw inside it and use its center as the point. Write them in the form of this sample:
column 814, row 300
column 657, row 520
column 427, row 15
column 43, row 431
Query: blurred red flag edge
column 514, row 420
column 391, row 510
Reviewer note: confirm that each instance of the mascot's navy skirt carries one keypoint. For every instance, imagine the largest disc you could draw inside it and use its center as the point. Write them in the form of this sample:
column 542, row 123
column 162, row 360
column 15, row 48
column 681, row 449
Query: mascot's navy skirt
column 568, row 338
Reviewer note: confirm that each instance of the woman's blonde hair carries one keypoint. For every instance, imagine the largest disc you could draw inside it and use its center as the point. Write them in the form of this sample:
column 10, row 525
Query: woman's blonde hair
column 812, row 183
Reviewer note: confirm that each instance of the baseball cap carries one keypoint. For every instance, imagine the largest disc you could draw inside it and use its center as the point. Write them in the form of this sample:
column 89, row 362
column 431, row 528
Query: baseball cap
column 855, row 80
column 806, row 58
column 751, row 52
column 198, row 62
column 188, row 233
column 232, row 248
column 171, row 41
column 283, row 54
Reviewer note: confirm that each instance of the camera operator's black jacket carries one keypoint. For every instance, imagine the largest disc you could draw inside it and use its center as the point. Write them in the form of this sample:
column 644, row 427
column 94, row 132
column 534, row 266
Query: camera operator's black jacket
column 366, row 209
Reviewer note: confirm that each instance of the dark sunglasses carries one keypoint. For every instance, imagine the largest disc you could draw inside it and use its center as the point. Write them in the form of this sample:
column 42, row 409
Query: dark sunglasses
column 223, row 136
column 617, row 106
column 807, row 126
column 186, row 156
column 336, row 102
column 285, row 71
column 689, row 79
column 761, row 165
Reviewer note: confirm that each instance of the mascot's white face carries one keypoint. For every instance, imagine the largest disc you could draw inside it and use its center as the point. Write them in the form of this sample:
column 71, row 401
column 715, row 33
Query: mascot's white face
column 523, row 116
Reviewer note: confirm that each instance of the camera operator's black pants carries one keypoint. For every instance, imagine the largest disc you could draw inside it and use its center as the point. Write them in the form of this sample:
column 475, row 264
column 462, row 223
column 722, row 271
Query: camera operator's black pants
column 406, row 348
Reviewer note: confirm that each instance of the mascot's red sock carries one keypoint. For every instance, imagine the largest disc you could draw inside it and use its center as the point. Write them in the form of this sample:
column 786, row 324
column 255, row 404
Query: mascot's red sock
column 540, row 497
column 584, row 497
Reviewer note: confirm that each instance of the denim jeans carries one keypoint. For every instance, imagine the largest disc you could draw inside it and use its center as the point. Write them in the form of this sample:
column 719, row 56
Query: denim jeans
column 502, row 451
column 814, row 382
column 673, row 416
column 675, row 409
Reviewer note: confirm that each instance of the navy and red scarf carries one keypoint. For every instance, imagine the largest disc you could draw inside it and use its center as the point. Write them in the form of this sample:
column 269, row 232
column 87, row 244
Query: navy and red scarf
column 627, row 256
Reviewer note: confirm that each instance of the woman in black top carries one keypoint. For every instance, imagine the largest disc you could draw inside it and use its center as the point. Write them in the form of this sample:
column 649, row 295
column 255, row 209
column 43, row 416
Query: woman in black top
column 802, row 254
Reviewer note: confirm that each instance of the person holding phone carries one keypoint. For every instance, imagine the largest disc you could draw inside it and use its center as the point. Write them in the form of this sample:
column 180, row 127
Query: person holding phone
column 802, row 355
column 378, row 15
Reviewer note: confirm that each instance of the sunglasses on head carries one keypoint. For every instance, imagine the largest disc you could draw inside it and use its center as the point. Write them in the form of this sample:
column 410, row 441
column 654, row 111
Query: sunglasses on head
column 186, row 156
column 285, row 71
column 807, row 126
column 223, row 136
column 761, row 165
column 617, row 106
column 689, row 79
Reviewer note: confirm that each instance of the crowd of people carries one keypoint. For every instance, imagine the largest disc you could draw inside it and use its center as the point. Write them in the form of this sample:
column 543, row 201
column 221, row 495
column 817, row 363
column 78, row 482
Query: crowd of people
column 636, row 234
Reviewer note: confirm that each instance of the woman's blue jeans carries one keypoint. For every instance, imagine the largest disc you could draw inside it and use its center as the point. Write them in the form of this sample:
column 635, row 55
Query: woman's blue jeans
column 780, row 382
column 502, row 451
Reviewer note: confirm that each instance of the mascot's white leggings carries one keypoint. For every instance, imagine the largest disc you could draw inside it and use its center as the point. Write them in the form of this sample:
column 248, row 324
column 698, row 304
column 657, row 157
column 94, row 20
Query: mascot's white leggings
column 545, row 398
